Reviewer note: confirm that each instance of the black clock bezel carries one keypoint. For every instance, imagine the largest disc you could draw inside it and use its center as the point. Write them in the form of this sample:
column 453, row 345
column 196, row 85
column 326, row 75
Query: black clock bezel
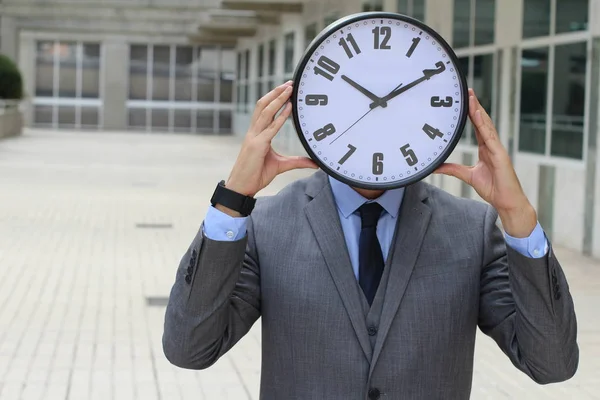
column 341, row 23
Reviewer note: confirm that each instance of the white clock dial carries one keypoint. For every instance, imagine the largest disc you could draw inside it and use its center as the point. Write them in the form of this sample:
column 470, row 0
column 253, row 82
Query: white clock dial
column 379, row 101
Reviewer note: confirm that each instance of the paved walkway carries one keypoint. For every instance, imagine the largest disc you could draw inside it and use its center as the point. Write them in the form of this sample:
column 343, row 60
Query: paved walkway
column 93, row 224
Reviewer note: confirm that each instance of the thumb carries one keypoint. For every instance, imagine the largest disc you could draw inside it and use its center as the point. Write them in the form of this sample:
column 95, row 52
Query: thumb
column 456, row 170
column 290, row 163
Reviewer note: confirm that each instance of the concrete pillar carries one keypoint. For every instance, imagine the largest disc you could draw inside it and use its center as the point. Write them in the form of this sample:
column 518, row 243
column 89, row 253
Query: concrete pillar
column 27, row 65
column 8, row 37
column 115, row 65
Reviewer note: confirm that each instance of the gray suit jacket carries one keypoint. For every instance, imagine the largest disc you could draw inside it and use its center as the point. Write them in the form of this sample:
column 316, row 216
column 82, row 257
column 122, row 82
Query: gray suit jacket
column 449, row 272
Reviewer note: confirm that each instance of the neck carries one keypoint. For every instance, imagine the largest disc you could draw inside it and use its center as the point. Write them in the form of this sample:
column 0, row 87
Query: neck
column 369, row 194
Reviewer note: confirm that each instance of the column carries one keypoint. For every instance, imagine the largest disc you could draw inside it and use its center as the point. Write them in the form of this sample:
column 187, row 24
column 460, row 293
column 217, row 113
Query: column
column 8, row 37
column 115, row 91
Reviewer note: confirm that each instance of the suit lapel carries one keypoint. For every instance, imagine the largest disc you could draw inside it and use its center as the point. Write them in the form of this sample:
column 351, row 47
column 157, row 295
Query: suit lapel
column 410, row 231
column 324, row 221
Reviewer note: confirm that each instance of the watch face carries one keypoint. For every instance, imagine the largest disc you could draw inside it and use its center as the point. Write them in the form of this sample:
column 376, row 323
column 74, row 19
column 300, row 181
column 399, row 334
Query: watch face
column 379, row 101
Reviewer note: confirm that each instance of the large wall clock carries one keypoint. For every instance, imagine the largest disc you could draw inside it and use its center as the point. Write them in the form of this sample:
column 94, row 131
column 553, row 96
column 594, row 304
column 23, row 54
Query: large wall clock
column 379, row 101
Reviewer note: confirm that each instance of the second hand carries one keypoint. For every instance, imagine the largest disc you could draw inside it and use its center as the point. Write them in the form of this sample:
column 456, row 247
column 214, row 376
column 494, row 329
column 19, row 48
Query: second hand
column 342, row 134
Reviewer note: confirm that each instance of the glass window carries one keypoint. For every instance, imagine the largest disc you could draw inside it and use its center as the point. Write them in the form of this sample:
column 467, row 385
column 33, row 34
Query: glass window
column 412, row 8
column 419, row 10
column 227, row 75
column 462, row 23
column 247, row 65
column 182, row 120
column 90, row 74
column 66, row 117
column 260, row 61
column 90, row 117
column 272, row 54
column 225, row 120
column 373, row 5
column 330, row 19
column 463, row 64
column 161, row 72
column 568, row 109
column 137, row 118
column 571, row 15
column 310, row 32
column 483, row 81
column 239, row 65
column 67, row 60
column 534, row 92
column 288, row 60
column 43, row 115
column 204, row 121
column 138, row 70
column 206, row 60
column 160, row 119
column 44, row 70
column 485, row 21
column 184, row 71
column 536, row 18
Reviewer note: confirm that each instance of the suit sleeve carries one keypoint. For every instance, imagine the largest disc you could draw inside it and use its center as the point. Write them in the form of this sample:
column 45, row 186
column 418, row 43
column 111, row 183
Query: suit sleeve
column 526, row 307
column 214, row 301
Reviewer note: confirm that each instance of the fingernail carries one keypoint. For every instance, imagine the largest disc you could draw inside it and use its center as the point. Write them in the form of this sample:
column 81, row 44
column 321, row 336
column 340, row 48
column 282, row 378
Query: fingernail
column 288, row 89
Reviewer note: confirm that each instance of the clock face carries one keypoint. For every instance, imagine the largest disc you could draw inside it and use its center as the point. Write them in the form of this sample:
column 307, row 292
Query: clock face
column 379, row 101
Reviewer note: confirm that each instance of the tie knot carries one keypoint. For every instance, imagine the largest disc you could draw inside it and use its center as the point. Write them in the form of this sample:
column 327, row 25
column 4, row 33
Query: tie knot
column 369, row 214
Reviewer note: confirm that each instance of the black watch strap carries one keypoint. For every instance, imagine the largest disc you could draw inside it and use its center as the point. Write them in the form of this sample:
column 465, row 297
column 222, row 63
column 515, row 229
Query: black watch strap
column 233, row 200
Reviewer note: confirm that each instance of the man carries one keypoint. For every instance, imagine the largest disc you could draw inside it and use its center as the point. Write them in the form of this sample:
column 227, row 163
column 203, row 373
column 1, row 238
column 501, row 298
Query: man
column 366, row 294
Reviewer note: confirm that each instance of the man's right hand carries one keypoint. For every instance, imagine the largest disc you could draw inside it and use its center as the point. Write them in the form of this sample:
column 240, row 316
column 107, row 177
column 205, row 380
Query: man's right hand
column 257, row 163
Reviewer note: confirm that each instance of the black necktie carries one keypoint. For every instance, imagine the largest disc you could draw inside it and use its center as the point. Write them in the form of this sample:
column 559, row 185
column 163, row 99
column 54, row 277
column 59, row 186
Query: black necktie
column 369, row 251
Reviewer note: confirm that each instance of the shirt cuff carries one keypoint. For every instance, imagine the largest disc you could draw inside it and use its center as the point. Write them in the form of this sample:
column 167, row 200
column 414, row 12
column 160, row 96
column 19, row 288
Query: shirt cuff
column 534, row 246
column 219, row 226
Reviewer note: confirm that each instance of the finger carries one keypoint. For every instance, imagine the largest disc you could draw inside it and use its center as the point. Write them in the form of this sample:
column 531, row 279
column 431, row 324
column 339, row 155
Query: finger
column 276, row 125
column 290, row 163
column 266, row 100
column 266, row 116
column 461, row 172
column 485, row 131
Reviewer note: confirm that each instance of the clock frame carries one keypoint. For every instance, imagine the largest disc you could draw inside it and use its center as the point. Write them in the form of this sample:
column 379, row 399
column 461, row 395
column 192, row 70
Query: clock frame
column 301, row 70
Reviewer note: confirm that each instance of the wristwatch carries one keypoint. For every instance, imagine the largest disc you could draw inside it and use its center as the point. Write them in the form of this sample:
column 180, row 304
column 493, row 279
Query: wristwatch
column 232, row 200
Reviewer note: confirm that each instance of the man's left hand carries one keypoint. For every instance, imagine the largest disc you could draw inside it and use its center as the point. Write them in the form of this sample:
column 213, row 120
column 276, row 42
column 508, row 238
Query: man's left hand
column 493, row 177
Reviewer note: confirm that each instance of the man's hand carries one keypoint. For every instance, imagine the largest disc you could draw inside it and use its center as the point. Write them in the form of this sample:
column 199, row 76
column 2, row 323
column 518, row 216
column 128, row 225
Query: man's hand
column 493, row 177
column 257, row 163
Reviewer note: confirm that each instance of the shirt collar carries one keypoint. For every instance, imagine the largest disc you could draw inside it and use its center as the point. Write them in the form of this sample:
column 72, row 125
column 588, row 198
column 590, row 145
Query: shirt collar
column 349, row 200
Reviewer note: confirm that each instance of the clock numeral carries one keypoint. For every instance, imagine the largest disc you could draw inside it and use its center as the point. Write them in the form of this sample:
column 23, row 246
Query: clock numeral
column 432, row 132
column 437, row 102
column 316, row 100
column 409, row 155
column 351, row 151
column 412, row 49
column 328, row 67
column 344, row 44
column 377, row 164
column 384, row 31
column 322, row 133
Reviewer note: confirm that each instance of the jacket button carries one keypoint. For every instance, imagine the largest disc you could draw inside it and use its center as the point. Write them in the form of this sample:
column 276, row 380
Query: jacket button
column 188, row 279
column 190, row 269
column 374, row 394
column 557, row 295
column 372, row 331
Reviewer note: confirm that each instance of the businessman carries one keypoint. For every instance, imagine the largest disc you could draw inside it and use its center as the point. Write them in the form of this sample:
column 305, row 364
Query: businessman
column 366, row 294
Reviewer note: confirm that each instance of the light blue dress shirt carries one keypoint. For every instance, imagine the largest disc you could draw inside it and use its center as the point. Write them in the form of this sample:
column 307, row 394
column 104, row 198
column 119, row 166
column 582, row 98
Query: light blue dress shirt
column 222, row 227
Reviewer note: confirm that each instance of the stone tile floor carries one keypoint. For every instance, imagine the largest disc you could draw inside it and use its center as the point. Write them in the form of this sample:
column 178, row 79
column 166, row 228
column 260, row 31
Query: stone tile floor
column 92, row 224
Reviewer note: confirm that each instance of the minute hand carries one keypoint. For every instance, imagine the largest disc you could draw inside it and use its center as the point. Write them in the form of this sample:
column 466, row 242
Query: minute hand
column 427, row 74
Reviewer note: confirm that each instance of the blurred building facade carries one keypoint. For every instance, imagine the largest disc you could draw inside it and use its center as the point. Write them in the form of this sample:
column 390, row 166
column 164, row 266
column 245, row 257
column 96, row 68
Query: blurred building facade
column 200, row 66
column 121, row 65
column 535, row 65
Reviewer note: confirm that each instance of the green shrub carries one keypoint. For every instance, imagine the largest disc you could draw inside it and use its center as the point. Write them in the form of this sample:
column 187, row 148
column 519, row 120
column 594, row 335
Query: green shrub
column 11, row 82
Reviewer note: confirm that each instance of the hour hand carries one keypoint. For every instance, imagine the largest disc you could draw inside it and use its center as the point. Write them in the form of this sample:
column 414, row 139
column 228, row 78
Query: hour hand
column 376, row 100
